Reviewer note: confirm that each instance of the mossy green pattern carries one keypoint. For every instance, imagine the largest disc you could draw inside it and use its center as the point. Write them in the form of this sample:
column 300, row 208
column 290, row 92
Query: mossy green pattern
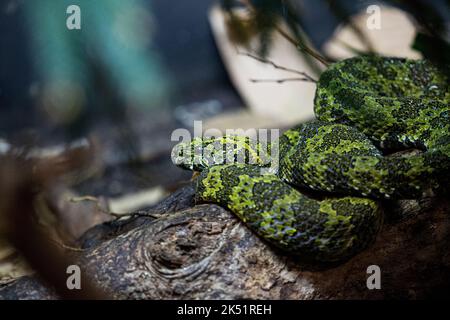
column 365, row 106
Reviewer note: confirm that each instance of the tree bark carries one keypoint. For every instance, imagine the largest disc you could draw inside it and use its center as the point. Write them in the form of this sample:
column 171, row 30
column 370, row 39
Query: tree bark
column 185, row 251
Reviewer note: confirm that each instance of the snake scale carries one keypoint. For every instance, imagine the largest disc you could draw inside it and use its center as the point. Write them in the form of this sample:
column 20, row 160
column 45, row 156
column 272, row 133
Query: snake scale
column 366, row 107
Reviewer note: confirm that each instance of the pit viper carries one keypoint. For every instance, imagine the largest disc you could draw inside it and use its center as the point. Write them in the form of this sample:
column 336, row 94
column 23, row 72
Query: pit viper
column 324, row 201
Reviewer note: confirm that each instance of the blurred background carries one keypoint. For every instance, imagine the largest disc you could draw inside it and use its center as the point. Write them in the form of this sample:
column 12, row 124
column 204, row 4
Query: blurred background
column 139, row 69
column 135, row 71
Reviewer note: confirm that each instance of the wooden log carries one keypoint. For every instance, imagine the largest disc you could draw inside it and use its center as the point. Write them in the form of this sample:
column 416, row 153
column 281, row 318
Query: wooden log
column 187, row 251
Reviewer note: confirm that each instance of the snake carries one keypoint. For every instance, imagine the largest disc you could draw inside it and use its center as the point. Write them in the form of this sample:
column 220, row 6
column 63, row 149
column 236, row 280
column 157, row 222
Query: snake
column 324, row 201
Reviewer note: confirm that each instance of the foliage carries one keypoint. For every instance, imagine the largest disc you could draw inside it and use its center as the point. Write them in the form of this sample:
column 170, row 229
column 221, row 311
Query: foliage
column 264, row 17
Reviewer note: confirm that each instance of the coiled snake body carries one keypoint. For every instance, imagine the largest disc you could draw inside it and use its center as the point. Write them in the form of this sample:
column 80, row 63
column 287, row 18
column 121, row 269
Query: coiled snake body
column 365, row 106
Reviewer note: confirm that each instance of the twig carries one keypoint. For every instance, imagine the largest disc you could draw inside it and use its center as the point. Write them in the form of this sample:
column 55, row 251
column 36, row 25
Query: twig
column 306, row 76
column 139, row 213
column 280, row 80
column 292, row 40
column 65, row 246
column 302, row 47
column 114, row 214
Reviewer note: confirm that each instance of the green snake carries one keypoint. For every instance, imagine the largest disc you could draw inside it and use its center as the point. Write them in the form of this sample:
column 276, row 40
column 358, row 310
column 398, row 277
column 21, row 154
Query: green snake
column 324, row 201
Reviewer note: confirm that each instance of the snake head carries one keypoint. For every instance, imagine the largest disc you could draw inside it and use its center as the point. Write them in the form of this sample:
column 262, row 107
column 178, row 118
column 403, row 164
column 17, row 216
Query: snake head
column 189, row 155
column 201, row 153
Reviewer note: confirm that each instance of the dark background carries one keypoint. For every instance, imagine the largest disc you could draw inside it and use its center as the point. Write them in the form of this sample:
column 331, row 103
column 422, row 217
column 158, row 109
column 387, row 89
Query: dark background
column 183, row 41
